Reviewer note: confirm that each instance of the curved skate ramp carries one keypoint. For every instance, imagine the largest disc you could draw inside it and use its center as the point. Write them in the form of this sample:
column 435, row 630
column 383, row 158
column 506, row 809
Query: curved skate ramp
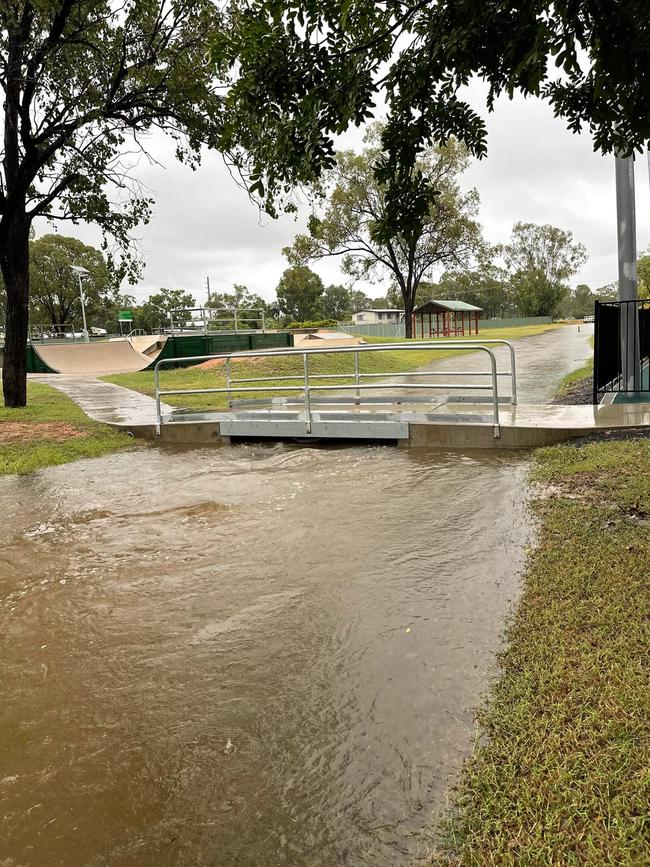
column 114, row 356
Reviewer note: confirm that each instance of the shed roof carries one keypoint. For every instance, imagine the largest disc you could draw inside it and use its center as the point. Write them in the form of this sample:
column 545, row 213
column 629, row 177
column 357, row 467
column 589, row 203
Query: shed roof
column 379, row 310
column 434, row 306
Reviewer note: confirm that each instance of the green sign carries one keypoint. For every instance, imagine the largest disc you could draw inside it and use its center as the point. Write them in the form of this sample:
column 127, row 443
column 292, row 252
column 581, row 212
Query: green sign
column 125, row 316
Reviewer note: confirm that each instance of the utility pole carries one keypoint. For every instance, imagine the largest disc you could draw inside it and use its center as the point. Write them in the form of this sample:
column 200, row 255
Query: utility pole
column 207, row 286
column 627, row 276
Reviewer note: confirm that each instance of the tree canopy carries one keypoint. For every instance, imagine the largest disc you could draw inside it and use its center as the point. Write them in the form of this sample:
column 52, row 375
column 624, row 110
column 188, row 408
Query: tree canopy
column 540, row 261
column 153, row 314
column 300, row 292
column 55, row 287
column 306, row 70
column 356, row 203
column 83, row 82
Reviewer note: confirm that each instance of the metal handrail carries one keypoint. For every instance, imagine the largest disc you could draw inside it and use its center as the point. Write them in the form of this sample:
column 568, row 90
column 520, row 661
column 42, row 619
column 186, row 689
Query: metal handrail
column 306, row 388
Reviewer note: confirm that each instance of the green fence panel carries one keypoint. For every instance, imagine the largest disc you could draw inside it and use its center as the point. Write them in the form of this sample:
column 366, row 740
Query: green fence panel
column 271, row 341
column 189, row 345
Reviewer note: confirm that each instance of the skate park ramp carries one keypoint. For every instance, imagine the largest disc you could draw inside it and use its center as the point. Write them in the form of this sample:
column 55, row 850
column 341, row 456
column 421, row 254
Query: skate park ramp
column 326, row 338
column 106, row 356
column 119, row 355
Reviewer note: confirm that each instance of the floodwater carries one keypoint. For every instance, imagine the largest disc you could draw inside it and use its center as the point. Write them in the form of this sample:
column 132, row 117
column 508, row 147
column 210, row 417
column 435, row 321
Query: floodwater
column 258, row 655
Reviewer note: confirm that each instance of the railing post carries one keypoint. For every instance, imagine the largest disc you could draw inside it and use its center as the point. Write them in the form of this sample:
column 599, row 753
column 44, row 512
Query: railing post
column 156, row 383
column 357, row 377
column 305, row 367
column 513, row 378
column 495, row 395
column 228, row 393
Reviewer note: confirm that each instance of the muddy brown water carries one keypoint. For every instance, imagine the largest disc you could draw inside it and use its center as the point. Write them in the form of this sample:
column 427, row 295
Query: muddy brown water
column 255, row 655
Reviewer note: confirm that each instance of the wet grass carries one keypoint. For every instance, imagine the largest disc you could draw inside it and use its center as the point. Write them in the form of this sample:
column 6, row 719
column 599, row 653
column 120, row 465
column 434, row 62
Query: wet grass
column 576, row 377
column 277, row 368
column 52, row 430
column 560, row 773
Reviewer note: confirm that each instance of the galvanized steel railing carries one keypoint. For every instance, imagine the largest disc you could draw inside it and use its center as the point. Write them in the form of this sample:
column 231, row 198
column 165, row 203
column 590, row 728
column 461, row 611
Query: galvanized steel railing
column 305, row 381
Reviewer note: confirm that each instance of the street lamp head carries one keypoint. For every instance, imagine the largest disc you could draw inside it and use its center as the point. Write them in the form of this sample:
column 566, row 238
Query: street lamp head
column 82, row 272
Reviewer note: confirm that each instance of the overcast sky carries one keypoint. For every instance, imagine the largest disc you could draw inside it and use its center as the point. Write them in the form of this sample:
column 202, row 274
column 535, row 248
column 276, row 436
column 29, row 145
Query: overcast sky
column 203, row 224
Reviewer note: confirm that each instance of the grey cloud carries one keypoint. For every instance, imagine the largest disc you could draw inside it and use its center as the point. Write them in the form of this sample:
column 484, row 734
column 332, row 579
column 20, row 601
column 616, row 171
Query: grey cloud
column 204, row 224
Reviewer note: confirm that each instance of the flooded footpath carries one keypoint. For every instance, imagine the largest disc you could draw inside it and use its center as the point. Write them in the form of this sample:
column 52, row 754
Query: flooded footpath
column 259, row 655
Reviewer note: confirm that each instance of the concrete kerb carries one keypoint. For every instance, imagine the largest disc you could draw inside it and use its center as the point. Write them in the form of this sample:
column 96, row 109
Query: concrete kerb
column 448, row 436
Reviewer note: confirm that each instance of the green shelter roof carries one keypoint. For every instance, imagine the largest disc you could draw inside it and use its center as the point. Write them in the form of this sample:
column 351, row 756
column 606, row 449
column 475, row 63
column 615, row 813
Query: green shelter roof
column 435, row 306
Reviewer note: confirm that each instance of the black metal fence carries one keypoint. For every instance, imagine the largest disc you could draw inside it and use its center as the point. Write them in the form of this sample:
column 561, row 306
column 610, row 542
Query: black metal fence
column 621, row 347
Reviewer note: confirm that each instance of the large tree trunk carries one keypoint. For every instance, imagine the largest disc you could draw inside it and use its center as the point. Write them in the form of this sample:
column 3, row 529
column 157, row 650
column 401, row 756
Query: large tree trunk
column 14, row 263
column 409, row 304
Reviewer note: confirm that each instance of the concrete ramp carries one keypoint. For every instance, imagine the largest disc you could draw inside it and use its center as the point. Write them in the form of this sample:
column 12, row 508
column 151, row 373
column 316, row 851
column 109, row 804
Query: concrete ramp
column 114, row 356
column 148, row 344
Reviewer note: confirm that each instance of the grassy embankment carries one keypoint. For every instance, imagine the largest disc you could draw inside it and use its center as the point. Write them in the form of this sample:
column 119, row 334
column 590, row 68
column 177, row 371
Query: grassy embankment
column 560, row 772
column 389, row 362
column 51, row 430
column 575, row 381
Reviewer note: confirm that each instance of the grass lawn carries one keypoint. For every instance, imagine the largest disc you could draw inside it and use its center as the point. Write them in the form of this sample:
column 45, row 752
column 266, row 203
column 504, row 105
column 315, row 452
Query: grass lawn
column 389, row 362
column 51, row 430
column 560, row 775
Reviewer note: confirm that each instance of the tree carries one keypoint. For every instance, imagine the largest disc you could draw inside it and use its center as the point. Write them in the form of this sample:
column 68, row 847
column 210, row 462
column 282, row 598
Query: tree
column 447, row 234
column 643, row 269
column 359, row 300
column 83, row 80
column 154, row 316
column 55, row 286
column 300, row 292
column 308, row 70
column 540, row 259
column 336, row 303
column 485, row 286
column 580, row 303
column 239, row 299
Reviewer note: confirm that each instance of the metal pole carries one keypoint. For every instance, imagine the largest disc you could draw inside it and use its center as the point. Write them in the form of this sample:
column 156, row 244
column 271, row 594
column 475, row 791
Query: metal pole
column 627, row 275
column 357, row 376
column 228, row 379
column 495, row 395
column 305, row 368
column 156, row 384
column 83, row 309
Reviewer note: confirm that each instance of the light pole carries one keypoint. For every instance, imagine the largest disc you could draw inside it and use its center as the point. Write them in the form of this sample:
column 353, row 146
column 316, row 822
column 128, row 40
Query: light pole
column 627, row 275
column 81, row 273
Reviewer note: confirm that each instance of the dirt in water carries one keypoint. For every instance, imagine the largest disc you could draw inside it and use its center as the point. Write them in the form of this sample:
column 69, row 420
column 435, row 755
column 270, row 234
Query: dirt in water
column 259, row 655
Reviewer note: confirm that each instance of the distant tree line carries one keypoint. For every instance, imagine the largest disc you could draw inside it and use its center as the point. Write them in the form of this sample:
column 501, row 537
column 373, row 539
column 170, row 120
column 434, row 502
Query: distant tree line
column 526, row 277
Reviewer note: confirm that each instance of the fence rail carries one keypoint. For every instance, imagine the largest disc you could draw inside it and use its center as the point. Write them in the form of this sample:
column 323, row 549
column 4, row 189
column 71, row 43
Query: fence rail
column 309, row 384
column 394, row 330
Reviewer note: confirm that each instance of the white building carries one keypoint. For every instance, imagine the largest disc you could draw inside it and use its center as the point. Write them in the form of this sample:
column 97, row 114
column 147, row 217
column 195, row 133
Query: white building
column 378, row 317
